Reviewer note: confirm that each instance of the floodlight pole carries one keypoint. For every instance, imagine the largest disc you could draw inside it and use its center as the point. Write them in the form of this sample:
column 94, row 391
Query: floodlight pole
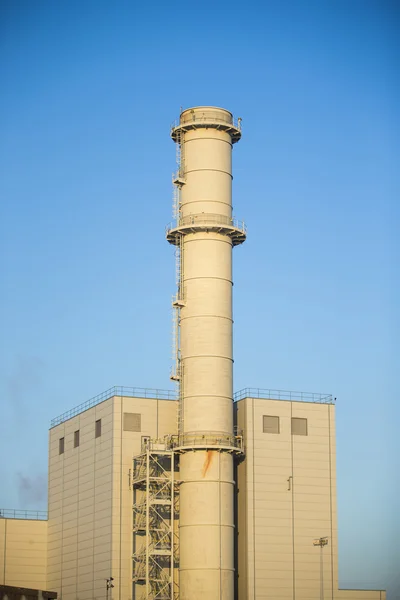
column 321, row 569
column 321, row 542
column 109, row 585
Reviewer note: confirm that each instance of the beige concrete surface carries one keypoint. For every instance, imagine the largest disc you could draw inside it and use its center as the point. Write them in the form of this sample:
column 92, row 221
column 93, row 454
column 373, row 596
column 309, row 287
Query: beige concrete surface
column 90, row 499
column 286, row 499
column 23, row 553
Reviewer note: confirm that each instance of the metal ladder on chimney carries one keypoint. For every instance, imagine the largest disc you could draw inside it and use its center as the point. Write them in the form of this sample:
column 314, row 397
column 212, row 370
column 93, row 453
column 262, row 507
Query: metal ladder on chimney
column 178, row 300
column 178, row 303
column 178, row 178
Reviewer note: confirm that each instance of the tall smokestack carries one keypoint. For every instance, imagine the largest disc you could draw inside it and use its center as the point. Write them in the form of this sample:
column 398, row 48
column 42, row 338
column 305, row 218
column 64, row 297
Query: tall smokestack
column 204, row 235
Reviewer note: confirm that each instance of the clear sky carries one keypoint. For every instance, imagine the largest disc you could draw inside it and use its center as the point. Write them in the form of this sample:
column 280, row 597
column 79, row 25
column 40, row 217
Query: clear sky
column 88, row 92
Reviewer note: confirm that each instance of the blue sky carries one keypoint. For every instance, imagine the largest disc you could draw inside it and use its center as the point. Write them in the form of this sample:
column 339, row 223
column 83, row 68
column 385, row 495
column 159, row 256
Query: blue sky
column 89, row 90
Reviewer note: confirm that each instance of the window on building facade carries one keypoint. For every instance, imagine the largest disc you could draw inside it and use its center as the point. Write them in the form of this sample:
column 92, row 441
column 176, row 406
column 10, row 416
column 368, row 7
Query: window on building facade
column 61, row 446
column 132, row 422
column 270, row 424
column 299, row 426
column 76, row 438
column 98, row 428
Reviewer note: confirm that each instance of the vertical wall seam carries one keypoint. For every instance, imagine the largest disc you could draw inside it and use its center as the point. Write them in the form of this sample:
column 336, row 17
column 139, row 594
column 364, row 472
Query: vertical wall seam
column 5, row 550
column 293, row 523
column 62, row 520
column 112, row 484
column 77, row 514
column 246, row 506
column 48, row 513
column 330, row 493
column 120, row 502
column 94, row 501
column 254, row 510
column 220, row 525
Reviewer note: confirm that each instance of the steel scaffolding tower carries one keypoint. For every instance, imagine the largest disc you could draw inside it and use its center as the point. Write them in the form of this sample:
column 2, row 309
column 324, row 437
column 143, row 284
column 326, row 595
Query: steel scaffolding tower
column 155, row 510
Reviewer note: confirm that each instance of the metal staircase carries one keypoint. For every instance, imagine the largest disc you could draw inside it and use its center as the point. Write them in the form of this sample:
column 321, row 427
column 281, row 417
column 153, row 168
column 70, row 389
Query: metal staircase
column 155, row 510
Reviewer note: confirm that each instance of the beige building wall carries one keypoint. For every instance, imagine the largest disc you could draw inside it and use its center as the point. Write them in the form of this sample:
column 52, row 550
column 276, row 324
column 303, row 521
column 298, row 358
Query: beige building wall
column 90, row 498
column 158, row 418
column 23, row 553
column 287, row 498
column 80, row 480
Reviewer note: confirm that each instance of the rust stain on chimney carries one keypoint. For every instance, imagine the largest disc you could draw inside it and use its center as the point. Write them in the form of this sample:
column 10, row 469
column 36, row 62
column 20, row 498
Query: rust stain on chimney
column 207, row 462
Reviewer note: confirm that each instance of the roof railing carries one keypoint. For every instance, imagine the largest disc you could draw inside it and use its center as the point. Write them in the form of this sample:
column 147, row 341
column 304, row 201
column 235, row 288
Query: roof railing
column 160, row 394
column 14, row 513
column 284, row 395
column 131, row 392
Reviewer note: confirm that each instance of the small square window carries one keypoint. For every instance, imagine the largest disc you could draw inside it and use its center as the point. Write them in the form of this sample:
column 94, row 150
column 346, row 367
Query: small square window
column 61, row 446
column 76, row 438
column 299, row 426
column 98, row 428
column 270, row 424
column 132, row 422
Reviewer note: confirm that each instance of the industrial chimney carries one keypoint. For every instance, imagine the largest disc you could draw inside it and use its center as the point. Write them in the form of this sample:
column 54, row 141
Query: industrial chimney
column 204, row 234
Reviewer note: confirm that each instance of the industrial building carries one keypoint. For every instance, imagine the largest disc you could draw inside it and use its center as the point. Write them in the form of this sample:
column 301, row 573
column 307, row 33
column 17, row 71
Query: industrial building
column 198, row 493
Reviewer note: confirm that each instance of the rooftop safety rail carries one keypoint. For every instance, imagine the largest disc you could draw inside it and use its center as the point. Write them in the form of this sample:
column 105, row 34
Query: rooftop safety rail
column 131, row 392
column 284, row 395
column 34, row 515
column 208, row 219
column 207, row 117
